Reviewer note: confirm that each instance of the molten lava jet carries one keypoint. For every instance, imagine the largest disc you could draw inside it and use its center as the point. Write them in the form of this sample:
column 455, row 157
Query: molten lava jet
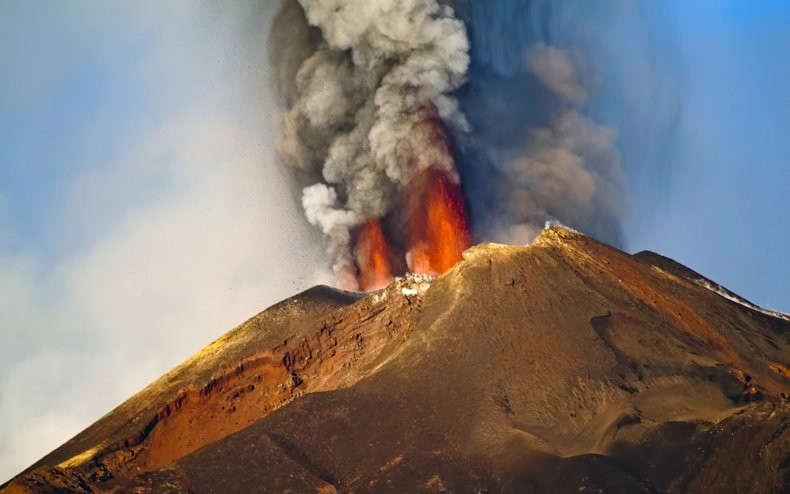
column 438, row 226
column 436, row 229
column 372, row 256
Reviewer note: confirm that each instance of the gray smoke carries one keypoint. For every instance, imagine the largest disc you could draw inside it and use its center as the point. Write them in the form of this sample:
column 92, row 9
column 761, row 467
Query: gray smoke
column 564, row 168
column 360, row 97
column 362, row 79
column 544, row 75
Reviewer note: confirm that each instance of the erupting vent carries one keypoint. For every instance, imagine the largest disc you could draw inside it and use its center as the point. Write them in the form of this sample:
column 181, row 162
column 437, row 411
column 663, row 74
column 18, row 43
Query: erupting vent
column 370, row 97
column 372, row 92
column 436, row 231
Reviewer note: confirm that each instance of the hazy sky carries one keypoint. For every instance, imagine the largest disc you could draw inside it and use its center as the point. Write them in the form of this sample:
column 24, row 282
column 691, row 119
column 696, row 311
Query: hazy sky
column 142, row 213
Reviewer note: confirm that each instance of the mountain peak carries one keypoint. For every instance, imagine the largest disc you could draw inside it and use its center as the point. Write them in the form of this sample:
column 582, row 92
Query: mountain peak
column 563, row 366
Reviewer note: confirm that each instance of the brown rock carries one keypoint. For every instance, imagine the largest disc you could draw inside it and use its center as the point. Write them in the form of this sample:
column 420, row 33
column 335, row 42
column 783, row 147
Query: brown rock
column 566, row 366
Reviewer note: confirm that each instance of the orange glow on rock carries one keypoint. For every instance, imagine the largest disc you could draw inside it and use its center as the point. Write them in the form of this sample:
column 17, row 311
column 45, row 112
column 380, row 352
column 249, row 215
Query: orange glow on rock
column 373, row 256
column 438, row 226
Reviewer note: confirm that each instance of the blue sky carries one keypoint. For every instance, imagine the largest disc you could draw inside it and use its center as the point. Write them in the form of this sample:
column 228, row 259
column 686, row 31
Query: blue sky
column 136, row 150
column 729, row 195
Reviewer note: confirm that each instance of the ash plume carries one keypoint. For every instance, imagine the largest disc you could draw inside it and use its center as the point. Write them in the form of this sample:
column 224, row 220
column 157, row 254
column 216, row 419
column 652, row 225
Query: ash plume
column 552, row 164
column 544, row 76
column 362, row 81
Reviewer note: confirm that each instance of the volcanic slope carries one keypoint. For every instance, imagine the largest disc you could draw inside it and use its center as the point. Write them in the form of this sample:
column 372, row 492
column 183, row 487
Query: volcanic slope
column 564, row 366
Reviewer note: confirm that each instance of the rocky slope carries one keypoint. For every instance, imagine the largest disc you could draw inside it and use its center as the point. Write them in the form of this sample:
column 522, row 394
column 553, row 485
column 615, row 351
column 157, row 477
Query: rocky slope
column 565, row 366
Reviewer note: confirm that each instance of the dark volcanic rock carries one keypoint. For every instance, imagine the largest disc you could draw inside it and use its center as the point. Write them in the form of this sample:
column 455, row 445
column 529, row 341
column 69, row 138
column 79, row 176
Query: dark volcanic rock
column 566, row 366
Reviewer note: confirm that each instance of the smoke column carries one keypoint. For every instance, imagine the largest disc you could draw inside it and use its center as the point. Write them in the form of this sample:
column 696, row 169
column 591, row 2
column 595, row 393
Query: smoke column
column 362, row 81
column 543, row 75
column 389, row 100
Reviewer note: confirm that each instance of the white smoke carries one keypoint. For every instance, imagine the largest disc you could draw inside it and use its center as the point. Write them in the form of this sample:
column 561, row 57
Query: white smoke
column 362, row 103
column 323, row 210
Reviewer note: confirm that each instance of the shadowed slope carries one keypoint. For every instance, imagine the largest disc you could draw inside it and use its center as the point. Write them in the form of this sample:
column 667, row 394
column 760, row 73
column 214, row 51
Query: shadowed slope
column 566, row 366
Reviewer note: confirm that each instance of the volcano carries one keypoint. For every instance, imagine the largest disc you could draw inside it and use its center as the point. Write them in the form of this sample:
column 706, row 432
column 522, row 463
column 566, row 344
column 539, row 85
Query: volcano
column 565, row 366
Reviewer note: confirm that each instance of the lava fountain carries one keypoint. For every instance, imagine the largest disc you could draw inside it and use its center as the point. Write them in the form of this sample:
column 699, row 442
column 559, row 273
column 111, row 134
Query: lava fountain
column 436, row 231
column 438, row 226
column 372, row 256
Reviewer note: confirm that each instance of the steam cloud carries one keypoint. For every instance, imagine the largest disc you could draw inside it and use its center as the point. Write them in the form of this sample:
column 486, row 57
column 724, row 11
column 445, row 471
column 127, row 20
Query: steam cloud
column 361, row 80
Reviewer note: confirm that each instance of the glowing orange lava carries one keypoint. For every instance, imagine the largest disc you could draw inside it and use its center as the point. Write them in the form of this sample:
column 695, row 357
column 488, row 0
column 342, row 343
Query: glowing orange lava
column 438, row 226
column 434, row 220
column 373, row 256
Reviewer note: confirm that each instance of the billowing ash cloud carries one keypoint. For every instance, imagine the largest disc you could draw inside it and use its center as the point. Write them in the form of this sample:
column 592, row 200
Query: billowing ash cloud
column 543, row 75
column 551, row 164
column 363, row 79
column 362, row 85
